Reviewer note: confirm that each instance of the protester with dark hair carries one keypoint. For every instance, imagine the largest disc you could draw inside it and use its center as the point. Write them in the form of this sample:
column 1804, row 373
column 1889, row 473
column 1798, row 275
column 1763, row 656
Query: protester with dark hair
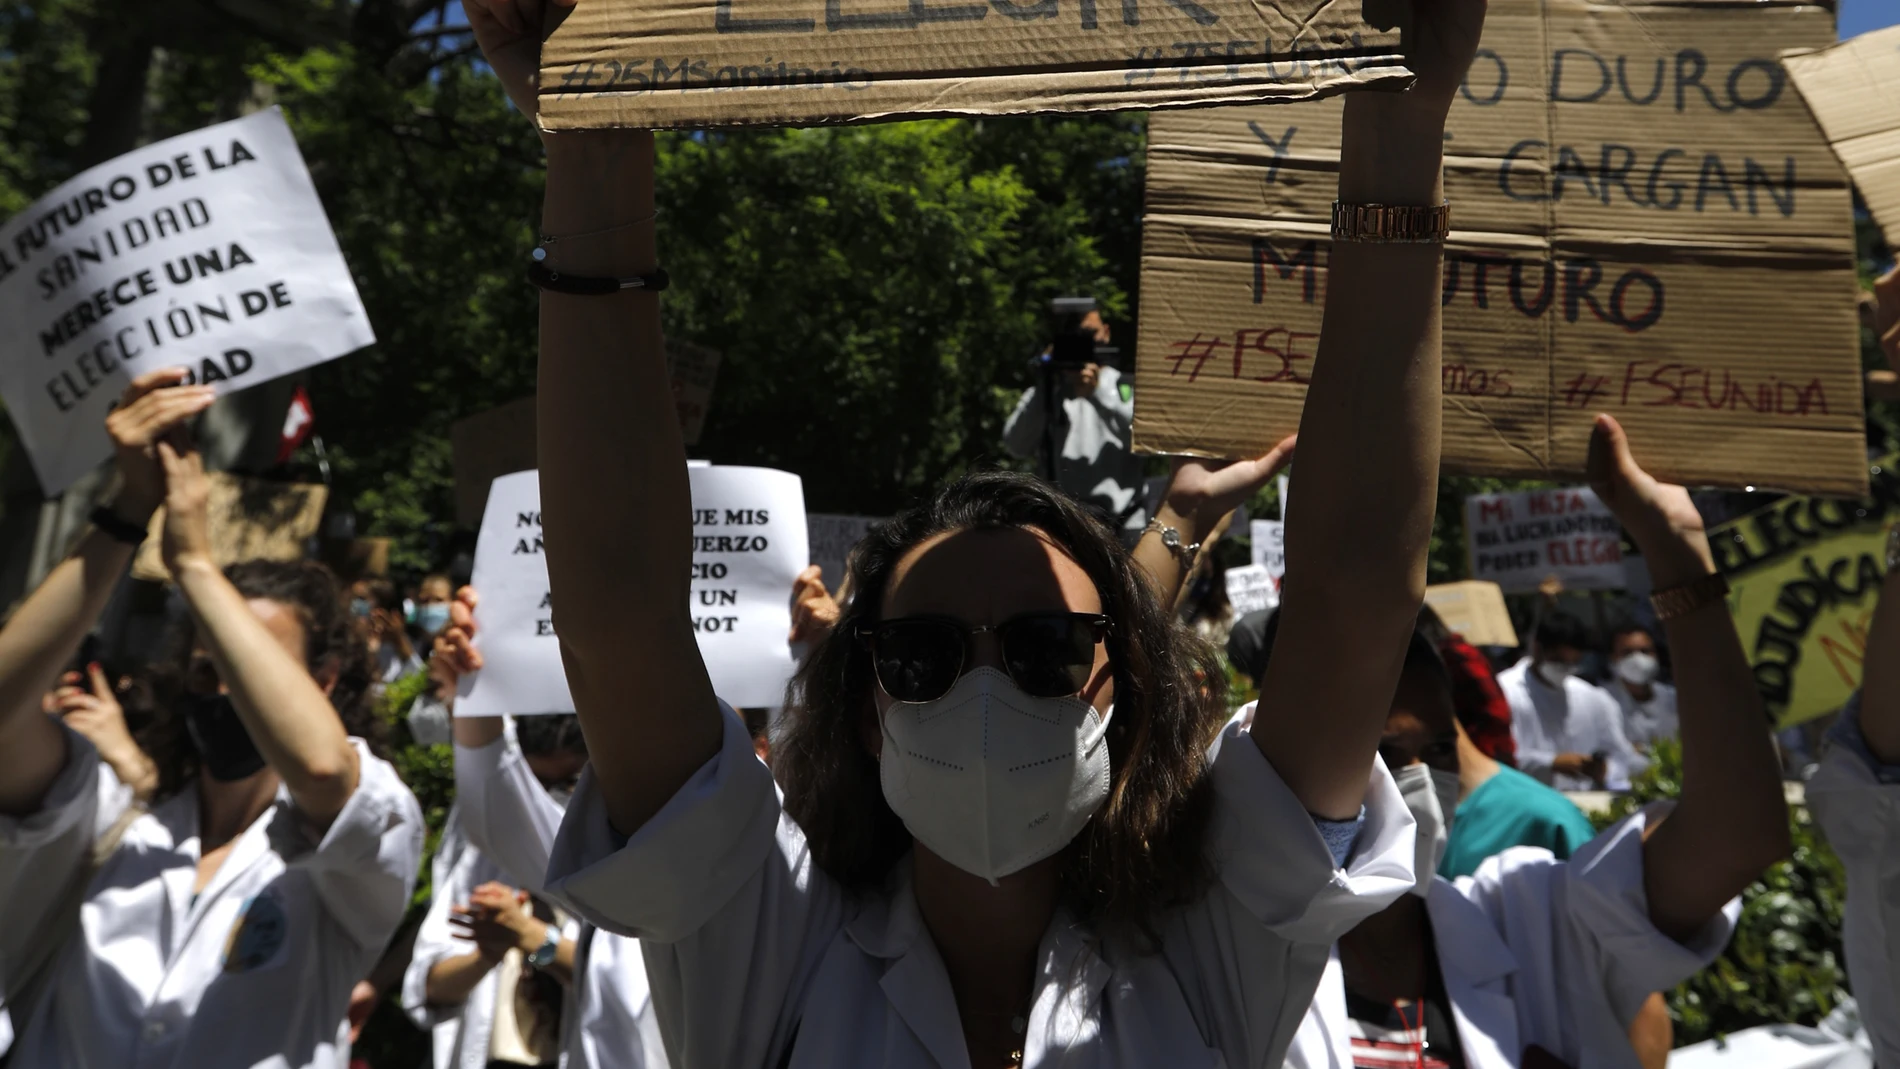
column 1568, row 732
column 227, row 925
column 513, row 778
column 1536, row 961
column 376, row 601
column 910, row 901
column 431, row 600
column 1648, row 705
column 1483, row 711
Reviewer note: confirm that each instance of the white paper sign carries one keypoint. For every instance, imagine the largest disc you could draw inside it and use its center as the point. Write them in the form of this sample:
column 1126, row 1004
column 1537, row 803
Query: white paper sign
column 514, row 618
column 1269, row 547
column 209, row 250
column 1518, row 540
column 749, row 544
column 832, row 537
column 1251, row 588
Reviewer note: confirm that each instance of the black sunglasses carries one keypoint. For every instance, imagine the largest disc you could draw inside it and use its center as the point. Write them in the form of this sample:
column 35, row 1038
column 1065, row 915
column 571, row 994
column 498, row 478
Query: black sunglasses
column 1048, row 654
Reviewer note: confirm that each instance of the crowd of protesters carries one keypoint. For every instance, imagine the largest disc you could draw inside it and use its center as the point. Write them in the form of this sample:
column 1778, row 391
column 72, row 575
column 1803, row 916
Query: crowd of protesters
column 1006, row 817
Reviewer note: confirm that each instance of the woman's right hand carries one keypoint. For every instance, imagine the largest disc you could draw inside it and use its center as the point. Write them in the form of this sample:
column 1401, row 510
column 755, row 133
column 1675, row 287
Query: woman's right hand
column 509, row 32
column 185, row 540
column 455, row 654
column 155, row 403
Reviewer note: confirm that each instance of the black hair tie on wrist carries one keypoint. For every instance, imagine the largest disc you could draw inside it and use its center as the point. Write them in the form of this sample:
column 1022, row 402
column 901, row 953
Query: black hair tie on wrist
column 588, row 286
column 117, row 527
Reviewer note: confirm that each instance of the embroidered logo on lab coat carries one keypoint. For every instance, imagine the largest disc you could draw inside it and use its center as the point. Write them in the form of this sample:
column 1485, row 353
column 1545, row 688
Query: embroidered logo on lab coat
column 258, row 936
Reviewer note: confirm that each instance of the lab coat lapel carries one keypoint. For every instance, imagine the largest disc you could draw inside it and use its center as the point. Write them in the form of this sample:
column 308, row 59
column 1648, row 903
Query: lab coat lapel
column 252, row 844
column 915, row 983
column 1477, row 967
column 1066, row 1015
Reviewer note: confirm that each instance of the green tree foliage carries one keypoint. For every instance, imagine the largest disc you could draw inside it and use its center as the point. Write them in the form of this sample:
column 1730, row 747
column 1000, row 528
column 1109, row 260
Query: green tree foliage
column 1784, row 963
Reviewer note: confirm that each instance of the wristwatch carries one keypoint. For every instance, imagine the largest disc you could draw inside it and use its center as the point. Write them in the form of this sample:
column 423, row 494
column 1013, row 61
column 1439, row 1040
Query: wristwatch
column 543, row 955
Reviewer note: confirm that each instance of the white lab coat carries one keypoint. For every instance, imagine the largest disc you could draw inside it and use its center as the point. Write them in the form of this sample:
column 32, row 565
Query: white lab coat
column 750, row 946
column 257, row 971
column 1581, row 718
column 1537, row 951
column 1646, row 723
column 459, row 1033
column 607, row 1019
column 1859, row 810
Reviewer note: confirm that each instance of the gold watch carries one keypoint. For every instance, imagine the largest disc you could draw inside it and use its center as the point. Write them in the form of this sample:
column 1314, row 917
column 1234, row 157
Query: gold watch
column 1688, row 597
column 1391, row 223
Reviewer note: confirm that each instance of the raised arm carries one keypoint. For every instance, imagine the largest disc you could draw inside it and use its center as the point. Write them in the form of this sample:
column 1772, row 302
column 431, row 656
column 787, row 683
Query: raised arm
column 1369, row 432
column 615, row 500
column 1880, row 686
column 1731, row 821
column 288, row 716
column 1199, row 494
column 45, row 631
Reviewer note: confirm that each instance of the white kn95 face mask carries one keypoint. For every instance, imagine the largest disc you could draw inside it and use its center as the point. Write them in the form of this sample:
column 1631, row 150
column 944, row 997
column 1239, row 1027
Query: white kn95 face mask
column 991, row 779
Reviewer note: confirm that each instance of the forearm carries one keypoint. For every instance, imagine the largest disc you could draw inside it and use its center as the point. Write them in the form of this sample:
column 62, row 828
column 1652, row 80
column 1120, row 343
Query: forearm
column 615, row 497
column 562, row 967
column 451, row 979
column 1160, row 563
column 34, row 646
column 1369, row 432
column 133, row 767
column 1880, row 686
column 1732, row 820
column 289, row 718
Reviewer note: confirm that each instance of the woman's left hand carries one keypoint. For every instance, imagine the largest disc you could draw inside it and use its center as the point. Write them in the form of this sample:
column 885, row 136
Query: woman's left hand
column 186, row 538
column 1660, row 517
column 1207, row 490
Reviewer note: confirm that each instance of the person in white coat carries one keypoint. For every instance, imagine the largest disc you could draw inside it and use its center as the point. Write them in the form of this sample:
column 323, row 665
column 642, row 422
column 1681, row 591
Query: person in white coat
column 225, row 926
column 1534, row 961
column 1080, row 888
column 1855, row 796
column 1568, row 731
column 513, row 777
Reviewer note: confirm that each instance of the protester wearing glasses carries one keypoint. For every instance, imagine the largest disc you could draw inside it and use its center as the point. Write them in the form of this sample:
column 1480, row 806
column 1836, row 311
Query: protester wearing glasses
column 513, row 778
column 226, row 925
column 1535, row 958
column 1084, row 888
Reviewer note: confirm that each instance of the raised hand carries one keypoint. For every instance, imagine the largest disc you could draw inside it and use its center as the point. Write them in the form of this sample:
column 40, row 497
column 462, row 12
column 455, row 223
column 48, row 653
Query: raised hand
column 1659, row 516
column 509, row 32
column 1443, row 41
column 1208, row 490
column 814, row 611
column 186, row 537
column 455, row 654
column 1882, row 315
column 497, row 919
column 89, row 706
column 151, row 407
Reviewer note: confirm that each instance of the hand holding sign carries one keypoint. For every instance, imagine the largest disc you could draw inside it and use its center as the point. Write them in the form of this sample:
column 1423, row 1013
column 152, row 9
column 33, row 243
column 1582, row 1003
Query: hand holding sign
column 1208, row 490
column 1659, row 516
column 149, row 409
column 509, row 32
column 186, row 538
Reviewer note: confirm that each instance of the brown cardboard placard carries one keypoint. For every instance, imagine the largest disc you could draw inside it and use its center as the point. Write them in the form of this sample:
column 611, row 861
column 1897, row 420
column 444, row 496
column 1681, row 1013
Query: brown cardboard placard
column 1685, row 264
column 1475, row 609
column 249, row 519
column 1853, row 89
column 486, row 446
column 642, row 63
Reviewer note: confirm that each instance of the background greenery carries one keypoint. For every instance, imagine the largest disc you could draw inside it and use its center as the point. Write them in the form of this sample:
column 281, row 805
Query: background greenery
column 876, row 291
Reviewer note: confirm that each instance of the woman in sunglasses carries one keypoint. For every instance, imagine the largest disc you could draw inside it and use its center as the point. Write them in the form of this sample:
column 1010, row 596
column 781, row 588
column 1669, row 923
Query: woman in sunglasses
column 999, row 841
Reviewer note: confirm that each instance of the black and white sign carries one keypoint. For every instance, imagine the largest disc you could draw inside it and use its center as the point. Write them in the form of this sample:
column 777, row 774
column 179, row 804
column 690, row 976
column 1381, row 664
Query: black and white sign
column 209, row 251
column 1518, row 540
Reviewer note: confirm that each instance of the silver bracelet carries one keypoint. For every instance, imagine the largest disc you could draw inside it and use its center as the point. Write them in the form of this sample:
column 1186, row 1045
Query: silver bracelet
column 1171, row 538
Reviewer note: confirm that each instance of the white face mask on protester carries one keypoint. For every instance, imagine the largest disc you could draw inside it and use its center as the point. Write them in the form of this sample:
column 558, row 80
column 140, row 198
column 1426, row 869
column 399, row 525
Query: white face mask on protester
column 1554, row 673
column 1432, row 796
column 991, row 779
column 1638, row 669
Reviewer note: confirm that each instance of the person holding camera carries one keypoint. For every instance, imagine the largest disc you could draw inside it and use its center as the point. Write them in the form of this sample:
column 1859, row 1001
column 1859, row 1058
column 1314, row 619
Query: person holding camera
column 1090, row 427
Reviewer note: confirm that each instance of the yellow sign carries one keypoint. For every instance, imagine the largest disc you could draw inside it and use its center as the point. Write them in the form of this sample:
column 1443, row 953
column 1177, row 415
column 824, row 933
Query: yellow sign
column 1804, row 575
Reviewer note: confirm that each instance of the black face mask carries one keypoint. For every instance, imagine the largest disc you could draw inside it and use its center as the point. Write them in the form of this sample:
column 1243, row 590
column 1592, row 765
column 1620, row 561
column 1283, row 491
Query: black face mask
column 224, row 746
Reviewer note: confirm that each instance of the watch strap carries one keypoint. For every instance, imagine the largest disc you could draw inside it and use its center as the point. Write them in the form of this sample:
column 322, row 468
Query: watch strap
column 1415, row 224
column 1677, row 601
column 117, row 527
column 543, row 955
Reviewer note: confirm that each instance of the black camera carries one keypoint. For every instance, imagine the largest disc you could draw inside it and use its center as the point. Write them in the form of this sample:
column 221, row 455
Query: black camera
column 1073, row 344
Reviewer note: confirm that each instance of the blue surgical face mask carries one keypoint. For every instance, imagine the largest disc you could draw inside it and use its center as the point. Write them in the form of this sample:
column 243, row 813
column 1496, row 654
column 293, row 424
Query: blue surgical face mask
column 432, row 618
column 359, row 608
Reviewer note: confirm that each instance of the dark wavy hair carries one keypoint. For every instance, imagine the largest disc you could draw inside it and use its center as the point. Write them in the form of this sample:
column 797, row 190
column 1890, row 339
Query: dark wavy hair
column 1144, row 851
column 335, row 646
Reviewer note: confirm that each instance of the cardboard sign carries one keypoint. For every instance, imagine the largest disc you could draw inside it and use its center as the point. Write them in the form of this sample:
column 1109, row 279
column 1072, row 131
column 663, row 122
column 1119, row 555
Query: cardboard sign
column 1853, row 89
column 1474, row 609
column 208, row 250
column 1269, row 547
column 249, row 519
column 1252, row 588
column 521, row 672
column 1646, row 222
column 1804, row 575
column 748, row 547
column 486, row 446
column 831, row 538
column 641, row 63
column 1519, row 540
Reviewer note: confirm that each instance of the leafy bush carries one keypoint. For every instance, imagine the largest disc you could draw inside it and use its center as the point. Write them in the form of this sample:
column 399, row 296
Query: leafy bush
column 1784, row 964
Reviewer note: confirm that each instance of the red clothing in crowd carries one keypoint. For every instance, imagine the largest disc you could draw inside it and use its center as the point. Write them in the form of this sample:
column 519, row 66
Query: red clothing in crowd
column 1481, row 706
